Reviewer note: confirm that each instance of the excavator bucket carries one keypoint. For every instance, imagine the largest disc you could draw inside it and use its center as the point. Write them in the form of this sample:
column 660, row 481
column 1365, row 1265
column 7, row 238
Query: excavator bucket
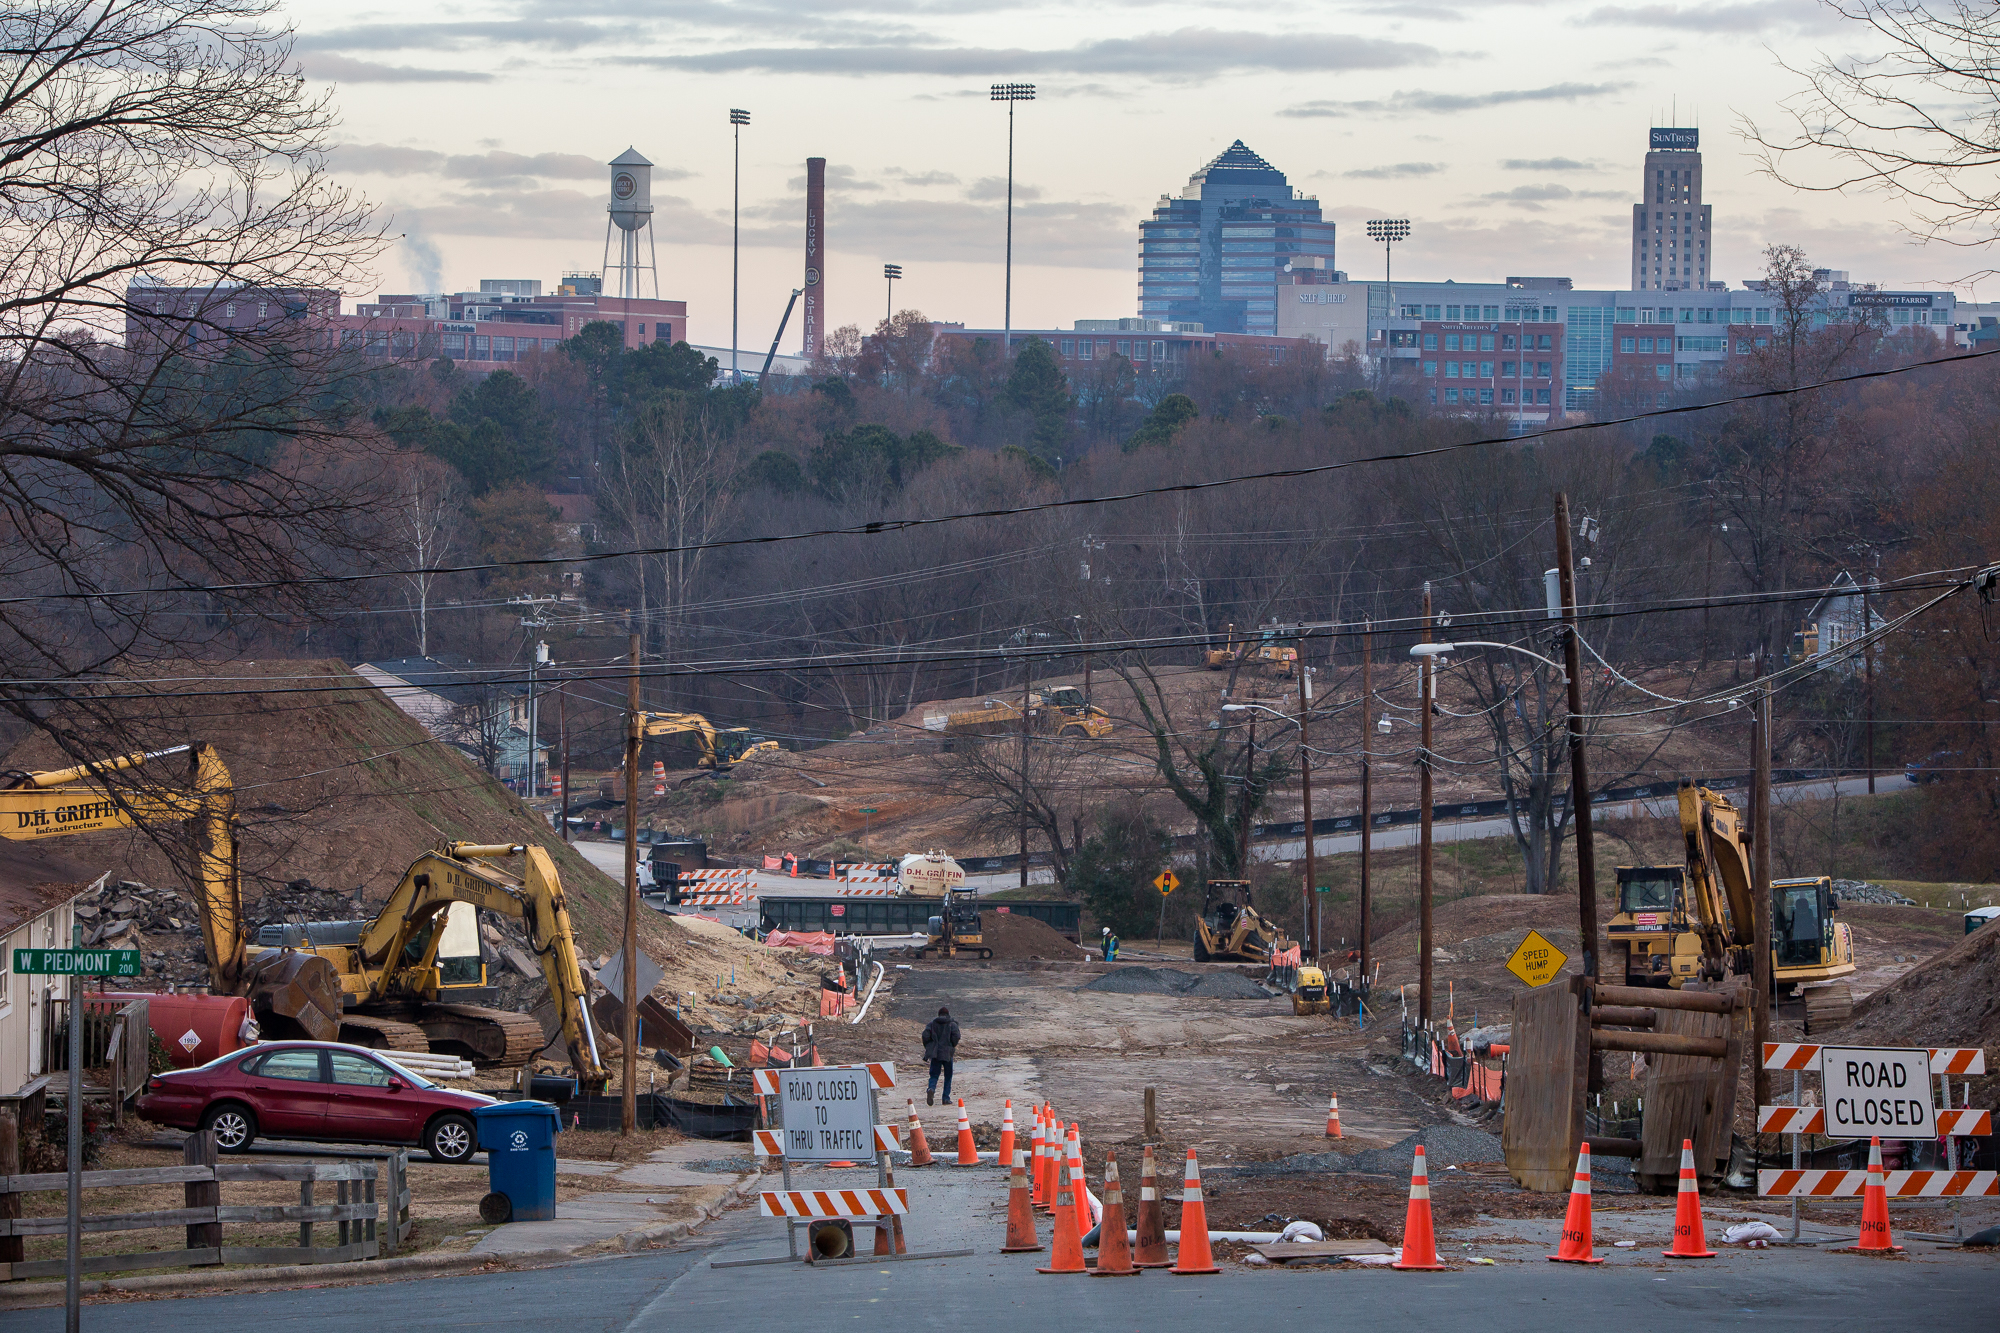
column 300, row 987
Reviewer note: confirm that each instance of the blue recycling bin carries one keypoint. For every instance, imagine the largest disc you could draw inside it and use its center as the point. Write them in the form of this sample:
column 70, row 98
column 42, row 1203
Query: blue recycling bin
column 520, row 1143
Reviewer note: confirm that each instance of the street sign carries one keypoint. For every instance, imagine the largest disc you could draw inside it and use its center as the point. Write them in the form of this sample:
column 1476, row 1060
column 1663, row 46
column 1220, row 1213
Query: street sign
column 1325, row 888
column 1166, row 881
column 1537, row 961
column 1873, row 1090
column 826, row 1114
column 78, row 962
column 870, row 810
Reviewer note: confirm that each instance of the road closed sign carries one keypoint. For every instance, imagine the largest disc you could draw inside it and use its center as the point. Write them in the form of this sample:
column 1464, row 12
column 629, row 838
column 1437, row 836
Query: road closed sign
column 826, row 1114
column 1872, row 1090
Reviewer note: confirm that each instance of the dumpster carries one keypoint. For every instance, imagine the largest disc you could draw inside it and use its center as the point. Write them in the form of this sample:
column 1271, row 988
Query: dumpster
column 520, row 1143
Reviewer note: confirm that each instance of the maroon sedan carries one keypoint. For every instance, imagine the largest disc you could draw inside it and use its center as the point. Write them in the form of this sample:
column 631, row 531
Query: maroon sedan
column 315, row 1090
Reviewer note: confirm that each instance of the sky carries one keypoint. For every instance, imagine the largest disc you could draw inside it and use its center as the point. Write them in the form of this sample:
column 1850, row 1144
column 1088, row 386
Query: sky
column 1511, row 134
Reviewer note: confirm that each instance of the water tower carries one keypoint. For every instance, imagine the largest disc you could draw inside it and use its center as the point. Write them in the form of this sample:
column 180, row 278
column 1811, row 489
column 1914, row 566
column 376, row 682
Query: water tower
column 631, row 211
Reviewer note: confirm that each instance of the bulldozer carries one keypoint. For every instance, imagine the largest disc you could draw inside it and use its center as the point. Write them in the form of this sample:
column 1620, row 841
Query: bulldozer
column 1229, row 929
column 1272, row 654
column 1677, row 924
column 375, row 983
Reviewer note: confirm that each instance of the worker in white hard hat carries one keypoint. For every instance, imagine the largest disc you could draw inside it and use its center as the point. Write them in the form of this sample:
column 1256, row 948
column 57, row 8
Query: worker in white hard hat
column 1110, row 944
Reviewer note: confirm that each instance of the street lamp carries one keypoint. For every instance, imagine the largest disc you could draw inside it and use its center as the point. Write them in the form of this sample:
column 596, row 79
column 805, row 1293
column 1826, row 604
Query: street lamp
column 1010, row 93
column 1388, row 231
column 891, row 272
column 1436, row 650
column 738, row 118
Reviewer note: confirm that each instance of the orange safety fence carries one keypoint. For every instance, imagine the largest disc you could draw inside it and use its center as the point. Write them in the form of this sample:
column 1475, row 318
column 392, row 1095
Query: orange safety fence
column 812, row 941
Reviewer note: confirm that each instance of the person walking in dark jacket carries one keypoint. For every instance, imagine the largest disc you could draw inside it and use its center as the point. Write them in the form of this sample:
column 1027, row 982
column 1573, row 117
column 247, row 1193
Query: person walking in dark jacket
column 940, row 1044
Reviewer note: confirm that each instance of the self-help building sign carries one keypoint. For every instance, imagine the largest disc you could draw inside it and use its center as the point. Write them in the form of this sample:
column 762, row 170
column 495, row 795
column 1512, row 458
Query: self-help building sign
column 1872, row 1090
column 1680, row 141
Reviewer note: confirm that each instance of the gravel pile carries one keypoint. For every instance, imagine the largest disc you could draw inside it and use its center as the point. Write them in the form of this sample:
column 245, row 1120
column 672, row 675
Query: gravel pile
column 1444, row 1145
column 1227, row 986
column 1861, row 891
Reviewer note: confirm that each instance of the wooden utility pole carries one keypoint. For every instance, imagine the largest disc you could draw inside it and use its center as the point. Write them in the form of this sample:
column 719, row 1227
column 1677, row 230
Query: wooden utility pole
column 629, row 1108
column 1426, row 676
column 1579, row 769
column 562, row 724
column 1027, row 675
column 1760, row 887
column 1308, row 926
column 1249, row 776
column 1867, row 628
column 1367, row 791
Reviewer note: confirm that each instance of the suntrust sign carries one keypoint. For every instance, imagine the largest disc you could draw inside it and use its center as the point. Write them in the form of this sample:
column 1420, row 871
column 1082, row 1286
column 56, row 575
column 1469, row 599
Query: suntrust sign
column 1680, row 141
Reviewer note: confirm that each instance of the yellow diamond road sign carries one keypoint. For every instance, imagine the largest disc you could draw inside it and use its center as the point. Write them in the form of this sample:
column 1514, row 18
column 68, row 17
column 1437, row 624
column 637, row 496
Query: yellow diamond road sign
column 1537, row 961
column 1166, row 881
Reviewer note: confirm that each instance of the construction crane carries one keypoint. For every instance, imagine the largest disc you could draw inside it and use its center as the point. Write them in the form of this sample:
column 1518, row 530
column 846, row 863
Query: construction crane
column 1695, row 922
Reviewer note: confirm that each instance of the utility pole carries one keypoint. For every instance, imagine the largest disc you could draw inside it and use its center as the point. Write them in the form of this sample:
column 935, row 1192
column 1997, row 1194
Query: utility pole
column 629, row 1109
column 1579, row 770
column 1427, row 673
column 562, row 723
column 1249, row 776
column 738, row 118
column 1306, row 799
column 1027, row 675
column 1367, row 793
column 1867, row 629
column 1760, row 888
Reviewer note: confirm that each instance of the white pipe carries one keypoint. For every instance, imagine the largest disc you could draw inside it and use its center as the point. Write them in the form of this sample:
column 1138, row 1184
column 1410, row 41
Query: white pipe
column 863, row 1011
column 1247, row 1237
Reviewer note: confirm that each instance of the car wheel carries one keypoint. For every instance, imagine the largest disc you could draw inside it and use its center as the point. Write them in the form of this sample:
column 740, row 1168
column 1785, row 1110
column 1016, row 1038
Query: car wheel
column 451, row 1139
column 234, row 1126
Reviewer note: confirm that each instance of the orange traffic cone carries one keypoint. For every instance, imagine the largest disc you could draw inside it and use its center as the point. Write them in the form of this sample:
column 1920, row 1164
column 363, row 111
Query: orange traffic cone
column 1006, row 1158
column 1114, row 1254
column 1080, row 1188
column 1066, row 1249
column 920, row 1148
column 1038, row 1146
column 1689, row 1242
column 1875, row 1238
column 1420, row 1251
column 1021, row 1236
column 1333, row 1116
column 1575, row 1247
column 1194, row 1258
column 1151, row 1251
column 968, row 1152
column 1051, row 1160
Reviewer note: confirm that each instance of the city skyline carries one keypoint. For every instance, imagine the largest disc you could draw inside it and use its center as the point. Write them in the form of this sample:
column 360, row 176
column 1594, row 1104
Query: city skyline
column 1521, row 157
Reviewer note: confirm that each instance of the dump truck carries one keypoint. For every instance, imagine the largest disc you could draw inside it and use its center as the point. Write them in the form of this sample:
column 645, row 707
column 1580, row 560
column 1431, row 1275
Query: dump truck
column 1059, row 710
column 1229, row 929
column 1677, row 924
column 1272, row 653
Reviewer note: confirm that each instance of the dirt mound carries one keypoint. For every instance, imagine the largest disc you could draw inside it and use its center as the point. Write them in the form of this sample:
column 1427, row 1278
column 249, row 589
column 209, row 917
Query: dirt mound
column 1487, row 921
column 1227, row 986
column 1952, row 999
column 1145, row 981
column 1444, row 1145
column 1019, row 937
column 723, row 982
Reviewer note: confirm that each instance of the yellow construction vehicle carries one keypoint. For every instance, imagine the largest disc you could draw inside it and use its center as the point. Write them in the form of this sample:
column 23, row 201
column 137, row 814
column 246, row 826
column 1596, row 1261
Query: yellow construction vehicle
column 1312, row 995
column 1059, row 710
column 721, row 747
column 378, row 982
column 1229, row 929
column 1273, row 654
column 1676, row 924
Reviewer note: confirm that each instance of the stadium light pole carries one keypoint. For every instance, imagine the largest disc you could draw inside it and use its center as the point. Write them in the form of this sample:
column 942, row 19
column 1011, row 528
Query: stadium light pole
column 1010, row 93
column 1388, row 231
column 738, row 118
column 890, row 272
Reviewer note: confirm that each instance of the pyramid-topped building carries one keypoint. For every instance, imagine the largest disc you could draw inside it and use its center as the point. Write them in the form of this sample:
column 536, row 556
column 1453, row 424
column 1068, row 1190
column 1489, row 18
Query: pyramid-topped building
column 1215, row 254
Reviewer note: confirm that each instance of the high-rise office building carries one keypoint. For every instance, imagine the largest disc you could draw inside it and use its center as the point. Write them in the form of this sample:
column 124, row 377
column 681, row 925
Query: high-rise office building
column 1671, row 230
column 1215, row 255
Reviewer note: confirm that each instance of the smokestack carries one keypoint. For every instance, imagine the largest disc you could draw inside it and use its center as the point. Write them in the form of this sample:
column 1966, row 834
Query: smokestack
column 815, row 283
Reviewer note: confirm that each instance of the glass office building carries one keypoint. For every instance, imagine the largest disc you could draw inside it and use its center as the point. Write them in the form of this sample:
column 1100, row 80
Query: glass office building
column 1215, row 255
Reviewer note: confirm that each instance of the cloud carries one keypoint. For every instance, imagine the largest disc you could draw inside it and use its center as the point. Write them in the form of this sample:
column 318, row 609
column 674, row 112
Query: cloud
column 1753, row 17
column 1531, row 194
column 343, row 69
column 1395, row 170
column 1547, row 164
column 1189, row 53
column 840, row 177
column 493, row 167
column 995, row 187
column 1414, row 9
column 921, row 177
column 1421, row 101
column 551, row 34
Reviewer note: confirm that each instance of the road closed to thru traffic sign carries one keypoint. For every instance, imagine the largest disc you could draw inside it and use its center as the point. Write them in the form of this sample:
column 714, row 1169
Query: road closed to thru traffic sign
column 1874, row 1090
column 826, row 1113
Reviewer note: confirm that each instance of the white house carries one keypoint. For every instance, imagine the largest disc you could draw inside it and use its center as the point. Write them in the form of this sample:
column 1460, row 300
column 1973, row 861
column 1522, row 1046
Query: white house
column 38, row 893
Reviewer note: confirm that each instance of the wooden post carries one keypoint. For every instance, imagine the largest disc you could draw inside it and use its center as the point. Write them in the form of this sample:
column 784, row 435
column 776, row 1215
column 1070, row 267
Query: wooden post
column 114, row 1058
column 346, row 1227
column 1579, row 769
column 1367, row 792
column 1427, row 677
column 1152, row 1121
column 199, row 1150
column 628, row 1112
column 11, row 1247
column 1760, row 891
column 1307, row 926
column 1027, row 673
column 306, row 1201
column 371, row 1225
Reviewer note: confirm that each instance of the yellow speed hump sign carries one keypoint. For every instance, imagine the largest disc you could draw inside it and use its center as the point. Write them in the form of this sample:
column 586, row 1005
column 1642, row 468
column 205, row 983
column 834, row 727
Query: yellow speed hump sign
column 1166, row 881
column 1537, row 961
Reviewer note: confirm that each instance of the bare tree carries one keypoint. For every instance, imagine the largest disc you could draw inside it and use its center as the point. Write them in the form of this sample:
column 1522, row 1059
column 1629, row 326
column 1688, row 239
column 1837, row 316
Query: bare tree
column 424, row 527
column 149, row 146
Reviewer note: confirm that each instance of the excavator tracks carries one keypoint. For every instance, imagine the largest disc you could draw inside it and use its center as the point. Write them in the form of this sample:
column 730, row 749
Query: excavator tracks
column 380, row 1033
column 496, row 1037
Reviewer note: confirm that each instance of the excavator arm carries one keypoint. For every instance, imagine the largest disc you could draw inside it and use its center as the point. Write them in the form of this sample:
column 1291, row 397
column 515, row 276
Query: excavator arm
column 412, row 917
column 675, row 724
column 1718, row 880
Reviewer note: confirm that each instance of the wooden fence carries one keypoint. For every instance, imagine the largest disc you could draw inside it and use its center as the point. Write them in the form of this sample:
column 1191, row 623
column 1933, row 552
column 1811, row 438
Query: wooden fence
column 115, row 1048
column 355, row 1213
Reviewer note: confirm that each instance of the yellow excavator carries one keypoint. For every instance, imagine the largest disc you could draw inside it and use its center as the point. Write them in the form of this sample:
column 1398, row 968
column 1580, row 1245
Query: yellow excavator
column 1271, row 653
column 1229, row 929
column 1676, row 924
column 382, row 986
column 721, row 747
